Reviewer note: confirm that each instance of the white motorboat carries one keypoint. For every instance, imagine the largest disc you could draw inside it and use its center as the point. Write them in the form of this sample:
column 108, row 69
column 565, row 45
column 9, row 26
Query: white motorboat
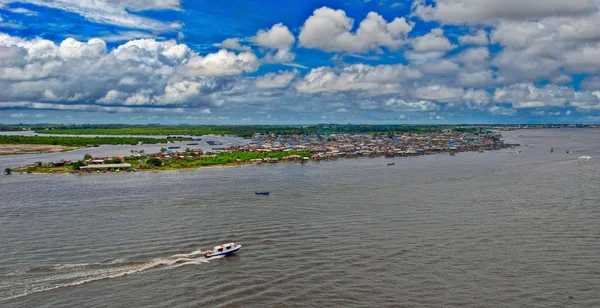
column 222, row 250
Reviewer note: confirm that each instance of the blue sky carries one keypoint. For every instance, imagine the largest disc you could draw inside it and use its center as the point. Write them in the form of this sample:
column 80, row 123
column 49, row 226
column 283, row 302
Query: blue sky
column 271, row 62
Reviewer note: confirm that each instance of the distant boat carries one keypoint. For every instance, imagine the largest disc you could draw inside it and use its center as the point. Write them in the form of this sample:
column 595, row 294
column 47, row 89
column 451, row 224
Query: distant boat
column 261, row 193
column 193, row 143
column 222, row 250
column 174, row 147
column 391, row 164
column 585, row 157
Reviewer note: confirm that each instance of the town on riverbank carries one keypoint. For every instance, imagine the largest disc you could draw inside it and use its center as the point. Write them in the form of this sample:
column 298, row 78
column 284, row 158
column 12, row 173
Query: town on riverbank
column 274, row 148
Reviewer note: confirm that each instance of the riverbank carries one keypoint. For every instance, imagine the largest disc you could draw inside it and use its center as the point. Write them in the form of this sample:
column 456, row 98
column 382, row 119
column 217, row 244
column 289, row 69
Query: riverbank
column 16, row 149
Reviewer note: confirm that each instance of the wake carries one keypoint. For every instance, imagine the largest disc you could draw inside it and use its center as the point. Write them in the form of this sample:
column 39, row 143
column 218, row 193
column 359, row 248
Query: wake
column 48, row 278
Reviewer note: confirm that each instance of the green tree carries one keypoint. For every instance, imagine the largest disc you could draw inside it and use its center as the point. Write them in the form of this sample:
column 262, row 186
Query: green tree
column 77, row 164
column 163, row 149
column 153, row 161
column 87, row 156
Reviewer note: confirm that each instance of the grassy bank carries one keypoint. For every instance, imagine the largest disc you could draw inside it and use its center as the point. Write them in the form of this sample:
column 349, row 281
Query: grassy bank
column 224, row 159
column 191, row 161
column 81, row 141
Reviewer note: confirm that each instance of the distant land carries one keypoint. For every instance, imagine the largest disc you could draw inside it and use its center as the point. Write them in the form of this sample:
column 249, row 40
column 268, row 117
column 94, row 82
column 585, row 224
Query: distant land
column 250, row 130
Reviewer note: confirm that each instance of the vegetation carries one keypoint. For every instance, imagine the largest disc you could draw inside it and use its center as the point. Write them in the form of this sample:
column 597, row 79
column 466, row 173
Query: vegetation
column 87, row 156
column 79, row 141
column 227, row 159
column 154, row 162
column 234, row 130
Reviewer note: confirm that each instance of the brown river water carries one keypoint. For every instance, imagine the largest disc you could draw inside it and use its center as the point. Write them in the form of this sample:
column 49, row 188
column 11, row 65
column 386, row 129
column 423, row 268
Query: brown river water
column 494, row 229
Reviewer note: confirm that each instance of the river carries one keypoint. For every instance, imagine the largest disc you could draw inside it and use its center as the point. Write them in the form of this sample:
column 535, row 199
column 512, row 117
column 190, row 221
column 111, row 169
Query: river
column 496, row 229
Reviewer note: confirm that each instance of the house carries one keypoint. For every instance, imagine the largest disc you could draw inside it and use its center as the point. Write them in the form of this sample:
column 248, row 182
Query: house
column 58, row 163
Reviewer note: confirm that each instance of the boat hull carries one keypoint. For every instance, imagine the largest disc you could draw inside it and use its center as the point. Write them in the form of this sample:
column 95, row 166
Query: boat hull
column 225, row 253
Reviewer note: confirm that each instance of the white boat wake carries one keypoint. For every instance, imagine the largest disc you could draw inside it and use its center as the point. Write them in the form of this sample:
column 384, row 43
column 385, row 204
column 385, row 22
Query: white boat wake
column 68, row 275
column 585, row 157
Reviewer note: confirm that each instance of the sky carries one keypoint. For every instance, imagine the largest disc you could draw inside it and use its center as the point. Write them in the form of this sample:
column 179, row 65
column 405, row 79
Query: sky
column 300, row 62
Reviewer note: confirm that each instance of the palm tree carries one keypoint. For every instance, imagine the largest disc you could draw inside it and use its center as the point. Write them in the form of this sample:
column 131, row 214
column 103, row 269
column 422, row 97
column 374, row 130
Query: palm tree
column 132, row 151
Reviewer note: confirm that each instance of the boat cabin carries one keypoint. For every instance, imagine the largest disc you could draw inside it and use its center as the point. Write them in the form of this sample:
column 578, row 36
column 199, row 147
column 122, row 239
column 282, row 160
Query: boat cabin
column 223, row 247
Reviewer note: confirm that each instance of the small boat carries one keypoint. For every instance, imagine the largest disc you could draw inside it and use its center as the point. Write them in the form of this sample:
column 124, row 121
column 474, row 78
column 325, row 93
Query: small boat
column 222, row 250
column 261, row 193
column 391, row 164
column 193, row 143
column 174, row 147
column 585, row 157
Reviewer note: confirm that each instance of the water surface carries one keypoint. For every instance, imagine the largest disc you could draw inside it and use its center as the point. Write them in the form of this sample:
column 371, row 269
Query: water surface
column 495, row 229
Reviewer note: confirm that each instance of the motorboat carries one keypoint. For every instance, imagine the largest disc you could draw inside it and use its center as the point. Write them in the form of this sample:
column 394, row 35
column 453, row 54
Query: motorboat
column 261, row 193
column 222, row 250
column 391, row 164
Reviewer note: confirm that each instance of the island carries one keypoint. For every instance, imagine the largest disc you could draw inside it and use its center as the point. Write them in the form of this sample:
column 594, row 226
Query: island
column 270, row 148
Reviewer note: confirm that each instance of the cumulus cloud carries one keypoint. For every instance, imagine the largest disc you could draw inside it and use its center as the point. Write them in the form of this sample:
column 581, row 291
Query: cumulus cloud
column 276, row 80
column 502, row 111
column 377, row 79
column 233, row 44
column 466, row 11
column 330, row 30
column 139, row 73
column 527, row 95
column 439, row 93
column 396, row 104
column 221, row 63
column 479, row 38
column 433, row 41
column 278, row 37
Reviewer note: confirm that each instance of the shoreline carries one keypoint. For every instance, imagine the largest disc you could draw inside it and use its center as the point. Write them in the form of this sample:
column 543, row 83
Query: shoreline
column 54, row 171
column 22, row 149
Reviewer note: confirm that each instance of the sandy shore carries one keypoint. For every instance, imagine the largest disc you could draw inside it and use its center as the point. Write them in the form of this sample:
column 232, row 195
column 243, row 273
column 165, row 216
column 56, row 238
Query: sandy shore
column 8, row 149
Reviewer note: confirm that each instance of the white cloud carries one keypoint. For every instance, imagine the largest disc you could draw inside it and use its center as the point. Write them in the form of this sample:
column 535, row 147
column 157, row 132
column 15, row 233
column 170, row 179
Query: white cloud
column 527, row 95
column 276, row 80
column 233, row 44
column 466, row 11
column 278, row 37
column 137, row 74
column 123, row 36
column 433, row 41
column 221, row 63
column 395, row 104
column 479, row 38
column 476, row 79
column 439, row 93
column 330, row 30
column 476, row 99
column 441, row 67
column 503, row 111
column 279, row 41
column 375, row 79
column 585, row 59
column 24, row 11
column 116, row 12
